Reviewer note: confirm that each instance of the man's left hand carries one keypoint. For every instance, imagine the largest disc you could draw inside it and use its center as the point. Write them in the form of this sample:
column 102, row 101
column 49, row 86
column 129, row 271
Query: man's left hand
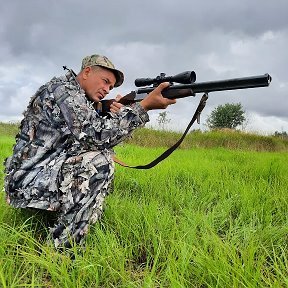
column 116, row 106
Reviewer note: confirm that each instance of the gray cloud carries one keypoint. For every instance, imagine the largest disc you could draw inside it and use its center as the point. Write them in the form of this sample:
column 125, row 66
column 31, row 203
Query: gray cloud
column 218, row 39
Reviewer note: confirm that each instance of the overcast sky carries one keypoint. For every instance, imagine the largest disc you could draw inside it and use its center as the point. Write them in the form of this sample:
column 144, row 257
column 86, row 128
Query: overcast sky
column 217, row 39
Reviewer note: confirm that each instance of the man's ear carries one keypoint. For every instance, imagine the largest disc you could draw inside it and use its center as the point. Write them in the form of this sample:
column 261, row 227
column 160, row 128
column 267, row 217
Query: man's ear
column 86, row 71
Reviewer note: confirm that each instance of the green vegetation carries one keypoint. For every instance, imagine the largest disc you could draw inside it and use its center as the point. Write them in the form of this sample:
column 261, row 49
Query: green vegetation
column 229, row 115
column 226, row 138
column 208, row 216
column 8, row 129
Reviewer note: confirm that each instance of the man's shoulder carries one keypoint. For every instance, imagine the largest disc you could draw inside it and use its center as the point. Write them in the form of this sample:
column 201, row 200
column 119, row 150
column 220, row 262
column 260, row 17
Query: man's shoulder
column 62, row 87
column 61, row 82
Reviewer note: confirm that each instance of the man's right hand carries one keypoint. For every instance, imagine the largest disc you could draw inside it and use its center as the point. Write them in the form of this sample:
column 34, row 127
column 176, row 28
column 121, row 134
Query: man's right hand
column 155, row 100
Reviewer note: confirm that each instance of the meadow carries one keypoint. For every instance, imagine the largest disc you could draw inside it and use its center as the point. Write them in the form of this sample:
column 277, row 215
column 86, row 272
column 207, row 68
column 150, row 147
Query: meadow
column 211, row 215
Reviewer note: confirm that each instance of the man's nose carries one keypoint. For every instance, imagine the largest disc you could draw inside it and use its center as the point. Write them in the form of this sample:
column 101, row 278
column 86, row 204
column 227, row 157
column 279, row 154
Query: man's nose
column 106, row 89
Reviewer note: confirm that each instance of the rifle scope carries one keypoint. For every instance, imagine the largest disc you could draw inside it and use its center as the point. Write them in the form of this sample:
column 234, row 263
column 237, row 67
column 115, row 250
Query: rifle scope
column 187, row 77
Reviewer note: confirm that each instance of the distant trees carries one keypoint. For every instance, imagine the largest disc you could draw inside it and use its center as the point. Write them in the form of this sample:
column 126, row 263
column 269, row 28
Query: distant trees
column 226, row 116
column 163, row 120
column 282, row 134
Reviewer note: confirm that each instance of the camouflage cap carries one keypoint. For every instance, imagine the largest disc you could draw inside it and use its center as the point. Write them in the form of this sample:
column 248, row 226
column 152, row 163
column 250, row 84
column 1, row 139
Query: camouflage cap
column 103, row 61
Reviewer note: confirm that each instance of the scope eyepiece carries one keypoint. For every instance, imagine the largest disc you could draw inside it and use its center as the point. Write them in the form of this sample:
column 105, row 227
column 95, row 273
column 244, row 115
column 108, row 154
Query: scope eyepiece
column 187, row 77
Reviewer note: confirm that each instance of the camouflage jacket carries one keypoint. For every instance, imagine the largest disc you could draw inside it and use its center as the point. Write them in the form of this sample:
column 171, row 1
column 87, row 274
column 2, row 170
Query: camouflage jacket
column 61, row 122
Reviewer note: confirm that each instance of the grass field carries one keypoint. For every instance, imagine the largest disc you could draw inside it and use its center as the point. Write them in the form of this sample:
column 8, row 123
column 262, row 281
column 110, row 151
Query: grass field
column 213, row 217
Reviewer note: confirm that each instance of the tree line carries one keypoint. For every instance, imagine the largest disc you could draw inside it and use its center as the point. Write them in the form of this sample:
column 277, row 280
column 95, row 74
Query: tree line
column 223, row 116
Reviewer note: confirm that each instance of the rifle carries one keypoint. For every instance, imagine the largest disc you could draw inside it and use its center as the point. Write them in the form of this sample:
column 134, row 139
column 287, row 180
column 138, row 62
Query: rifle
column 187, row 87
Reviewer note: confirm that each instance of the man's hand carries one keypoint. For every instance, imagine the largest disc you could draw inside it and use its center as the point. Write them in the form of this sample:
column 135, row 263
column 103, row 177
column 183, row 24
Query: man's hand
column 155, row 100
column 116, row 106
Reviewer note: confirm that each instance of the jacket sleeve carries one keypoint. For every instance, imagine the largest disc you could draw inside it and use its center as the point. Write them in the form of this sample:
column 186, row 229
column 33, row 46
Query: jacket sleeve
column 92, row 130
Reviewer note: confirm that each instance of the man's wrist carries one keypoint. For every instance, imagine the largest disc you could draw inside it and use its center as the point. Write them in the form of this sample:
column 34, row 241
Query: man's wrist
column 144, row 105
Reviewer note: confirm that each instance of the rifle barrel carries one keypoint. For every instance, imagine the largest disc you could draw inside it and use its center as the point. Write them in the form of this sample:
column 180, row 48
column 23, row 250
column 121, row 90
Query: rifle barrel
column 220, row 85
column 232, row 84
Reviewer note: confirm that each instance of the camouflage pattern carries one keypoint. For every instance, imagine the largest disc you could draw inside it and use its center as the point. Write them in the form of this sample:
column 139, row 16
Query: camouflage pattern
column 62, row 159
column 103, row 61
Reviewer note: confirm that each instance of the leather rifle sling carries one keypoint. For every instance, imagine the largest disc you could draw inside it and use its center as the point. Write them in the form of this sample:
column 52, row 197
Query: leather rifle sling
column 166, row 153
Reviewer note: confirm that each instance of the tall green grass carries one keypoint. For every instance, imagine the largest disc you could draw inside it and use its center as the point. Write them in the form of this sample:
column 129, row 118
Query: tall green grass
column 213, row 217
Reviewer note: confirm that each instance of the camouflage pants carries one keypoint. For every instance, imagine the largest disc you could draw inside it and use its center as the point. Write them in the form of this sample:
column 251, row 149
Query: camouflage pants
column 86, row 180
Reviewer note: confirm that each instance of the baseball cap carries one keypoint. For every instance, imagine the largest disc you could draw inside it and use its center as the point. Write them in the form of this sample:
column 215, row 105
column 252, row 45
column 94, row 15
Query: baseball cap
column 103, row 61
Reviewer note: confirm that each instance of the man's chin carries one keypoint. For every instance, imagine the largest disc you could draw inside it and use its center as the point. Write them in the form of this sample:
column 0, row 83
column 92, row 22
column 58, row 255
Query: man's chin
column 98, row 98
column 95, row 99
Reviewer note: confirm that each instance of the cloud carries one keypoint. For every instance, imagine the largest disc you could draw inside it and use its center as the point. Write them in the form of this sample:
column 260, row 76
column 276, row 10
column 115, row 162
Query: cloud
column 218, row 39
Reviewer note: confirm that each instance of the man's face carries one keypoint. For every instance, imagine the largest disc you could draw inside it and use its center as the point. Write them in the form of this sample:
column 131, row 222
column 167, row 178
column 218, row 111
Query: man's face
column 97, row 82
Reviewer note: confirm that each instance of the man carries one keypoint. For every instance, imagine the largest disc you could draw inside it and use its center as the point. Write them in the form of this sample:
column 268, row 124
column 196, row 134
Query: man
column 63, row 159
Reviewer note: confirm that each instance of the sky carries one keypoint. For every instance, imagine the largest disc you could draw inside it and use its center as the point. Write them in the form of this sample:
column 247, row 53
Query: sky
column 218, row 40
